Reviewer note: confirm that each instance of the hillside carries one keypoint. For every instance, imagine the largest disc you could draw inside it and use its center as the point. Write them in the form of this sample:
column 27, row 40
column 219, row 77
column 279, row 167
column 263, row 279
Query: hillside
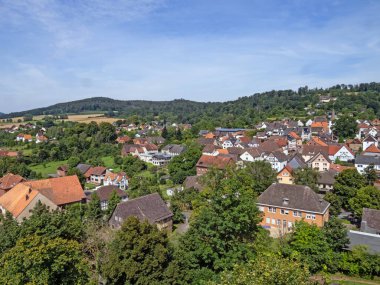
column 361, row 100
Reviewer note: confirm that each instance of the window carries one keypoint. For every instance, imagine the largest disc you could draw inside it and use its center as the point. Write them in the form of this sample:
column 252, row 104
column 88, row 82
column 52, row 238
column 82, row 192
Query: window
column 310, row 217
column 273, row 221
column 297, row 214
column 284, row 212
column 272, row 210
column 268, row 220
column 278, row 222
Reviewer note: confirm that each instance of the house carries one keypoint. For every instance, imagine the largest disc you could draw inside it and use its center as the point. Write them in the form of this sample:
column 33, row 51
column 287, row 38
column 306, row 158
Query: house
column 370, row 221
column 24, row 138
column 119, row 180
column 294, row 141
column 316, row 141
column 95, row 175
column 368, row 141
column 363, row 161
column 156, row 140
column 192, row 182
column 6, row 153
column 55, row 193
column 319, row 162
column 340, row 152
column 309, row 151
column 173, row 149
column 320, row 127
column 210, row 149
column 285, row 175
column 8, row 181
column 160, row 159
column 62, row 170
column 206, row 162
column 296, row 161
column 41, row 138
column 83, row 168
column 123, row 139
column 282, row 205
column 371, row 150
column 326, row 180
column 105, row 193
column 227, row 143
column 277, row 159
column 149, row 208
column 354, row 144
column 252, row 154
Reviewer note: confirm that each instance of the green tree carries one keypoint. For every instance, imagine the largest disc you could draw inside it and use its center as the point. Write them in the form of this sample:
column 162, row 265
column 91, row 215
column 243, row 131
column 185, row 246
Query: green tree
column 165, row 133
column 40, row 260
column 9, row 232
column 267, row 269
column 306, row 176
column 183, row 165
column 94, row 210
column 370, row 174
column 347, row 183
column 335, row 203
column 223, row 232
column 112, row 202
column 139, row 254
column 310, row 244
column 336, row 234
column 346, row 127
column 262, row 174
column 366, row 197
column 107, row 133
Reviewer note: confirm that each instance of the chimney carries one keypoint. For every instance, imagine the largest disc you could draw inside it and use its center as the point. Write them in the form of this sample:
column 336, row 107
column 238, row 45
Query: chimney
column 26, row 197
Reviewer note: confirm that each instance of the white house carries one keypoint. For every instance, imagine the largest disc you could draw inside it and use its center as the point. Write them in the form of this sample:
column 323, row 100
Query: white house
column 226, row 144
column 341, row 152
column 363, row 161
column 368, row 141
column 116, row 179
column 277, row 159
column 252, row 154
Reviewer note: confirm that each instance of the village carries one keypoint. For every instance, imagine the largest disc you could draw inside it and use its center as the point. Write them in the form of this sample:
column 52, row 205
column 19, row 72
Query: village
column 288, row 146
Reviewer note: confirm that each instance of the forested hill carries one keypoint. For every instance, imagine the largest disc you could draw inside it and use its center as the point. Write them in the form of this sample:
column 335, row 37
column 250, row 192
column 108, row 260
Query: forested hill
column 362, row 100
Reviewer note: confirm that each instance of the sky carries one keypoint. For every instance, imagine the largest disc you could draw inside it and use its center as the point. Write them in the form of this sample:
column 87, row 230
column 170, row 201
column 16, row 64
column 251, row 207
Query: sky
column 204, row 50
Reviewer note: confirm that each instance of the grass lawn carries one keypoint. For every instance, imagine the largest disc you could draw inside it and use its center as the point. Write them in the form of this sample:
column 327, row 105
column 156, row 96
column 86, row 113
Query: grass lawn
column 47, row 168
column 347, row 280
column 110, row 163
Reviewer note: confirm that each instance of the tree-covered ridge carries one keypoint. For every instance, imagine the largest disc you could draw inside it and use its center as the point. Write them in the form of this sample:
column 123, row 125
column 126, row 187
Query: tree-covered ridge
column 362, row 99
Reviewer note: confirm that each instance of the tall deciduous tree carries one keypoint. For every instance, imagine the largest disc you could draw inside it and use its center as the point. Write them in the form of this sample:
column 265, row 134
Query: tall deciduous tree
column 223, row 232
column 306, row 176
column 40, row 260
column 366, row 197
column 139, row 254
column 267, row 269
column 346, row 127
column 347, row 183
column 336, row 234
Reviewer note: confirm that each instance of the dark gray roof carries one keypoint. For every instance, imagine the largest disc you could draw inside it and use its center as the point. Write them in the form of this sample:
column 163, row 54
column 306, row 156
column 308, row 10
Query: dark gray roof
column 372, row 218
column 297, row 162
column 280, row 156
column 326, row 177
column 83, row 167
column 367, row 159
column 372, row 241
column 105, row 192
column 150, row 207
column 299, row 197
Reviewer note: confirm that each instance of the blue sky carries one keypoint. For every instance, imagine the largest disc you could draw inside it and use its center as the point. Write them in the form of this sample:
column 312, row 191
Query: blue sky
column 58, row 51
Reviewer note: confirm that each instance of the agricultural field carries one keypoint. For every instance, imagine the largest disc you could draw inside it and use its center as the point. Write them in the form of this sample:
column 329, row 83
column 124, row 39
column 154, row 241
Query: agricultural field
column 82, row 118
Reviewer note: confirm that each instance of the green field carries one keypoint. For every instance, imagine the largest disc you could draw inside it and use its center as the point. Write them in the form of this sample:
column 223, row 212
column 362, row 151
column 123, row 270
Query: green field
column 109, row 163
column 47, row 168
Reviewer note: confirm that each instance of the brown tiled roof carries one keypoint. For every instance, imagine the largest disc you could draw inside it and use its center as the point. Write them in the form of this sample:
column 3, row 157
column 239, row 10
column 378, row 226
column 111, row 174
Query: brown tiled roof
column 210, row 148
column 150, row 207
column 372, row 148
column 18, row 198
column 372, row 217
column 10, row 180
column 105, row 192
column 219, row 161
column 235, row 150
column 60, row 190
column 297, row 197
column 314, row 149
column 193, row 182
column 98, row 171
column 340, row 168
column 326, row 177
column 269, row 146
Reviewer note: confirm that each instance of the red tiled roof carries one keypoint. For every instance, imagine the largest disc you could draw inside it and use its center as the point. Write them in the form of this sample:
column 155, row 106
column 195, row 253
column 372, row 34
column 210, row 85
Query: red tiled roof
column 10, row 180
column 372, row 148
column 220, row 162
